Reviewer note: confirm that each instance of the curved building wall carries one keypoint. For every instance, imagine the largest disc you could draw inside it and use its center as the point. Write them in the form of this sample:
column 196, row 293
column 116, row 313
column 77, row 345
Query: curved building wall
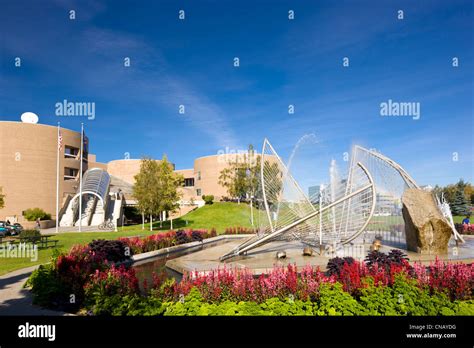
column 124, row 169
column 28, row 155
column 207, row 171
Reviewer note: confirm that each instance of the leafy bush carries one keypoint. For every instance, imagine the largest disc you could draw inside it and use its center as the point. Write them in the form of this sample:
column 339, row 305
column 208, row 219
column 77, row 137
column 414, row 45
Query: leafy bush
column 104, row 287
column 239, row 230
column 196, row 236
column 182, row 237
column 404, row 299
column 165, row 240
column 111, row 250
column 386, row 261
column 36, row 213
column 208, row 199
column 131, row 305
column 30, row 234
column 335, row 264
column 333, row 300
column 48, row 291
column 465, row 228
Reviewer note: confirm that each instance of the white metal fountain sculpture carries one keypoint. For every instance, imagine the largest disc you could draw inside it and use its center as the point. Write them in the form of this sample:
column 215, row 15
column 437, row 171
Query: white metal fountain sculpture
column 368, row 200
column 443, row 206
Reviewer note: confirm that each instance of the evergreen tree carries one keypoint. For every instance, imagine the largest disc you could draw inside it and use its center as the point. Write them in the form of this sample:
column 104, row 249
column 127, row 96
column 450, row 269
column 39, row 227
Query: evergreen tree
column 460, row 205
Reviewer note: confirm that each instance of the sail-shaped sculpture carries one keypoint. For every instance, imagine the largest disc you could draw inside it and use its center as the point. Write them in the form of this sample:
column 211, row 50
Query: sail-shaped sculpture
column 338, row 217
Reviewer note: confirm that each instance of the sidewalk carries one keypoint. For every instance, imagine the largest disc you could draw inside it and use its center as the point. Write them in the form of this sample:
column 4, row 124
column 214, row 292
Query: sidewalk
column 15, row 300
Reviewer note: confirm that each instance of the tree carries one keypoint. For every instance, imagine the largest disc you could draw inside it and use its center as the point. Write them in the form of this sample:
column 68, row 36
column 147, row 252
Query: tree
column 2, row 198
column 450, row 192
column 168, row 184
column 240, row 177
column 145, row 189
column 460, row 205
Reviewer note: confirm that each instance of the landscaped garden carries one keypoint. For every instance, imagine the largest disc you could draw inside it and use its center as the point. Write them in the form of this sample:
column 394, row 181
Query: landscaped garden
column 217, row 216
column 96, row 279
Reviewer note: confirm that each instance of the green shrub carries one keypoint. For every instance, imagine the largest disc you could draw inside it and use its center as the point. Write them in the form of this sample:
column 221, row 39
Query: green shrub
column 208, row 199
column 112, row 250
column 412, row 300
column 131, row 305
column 463, row 307
column 30, row 234
column 333, row 300
column 275, row 306
column 48, row 291
column 33, row 214
column 379, row 300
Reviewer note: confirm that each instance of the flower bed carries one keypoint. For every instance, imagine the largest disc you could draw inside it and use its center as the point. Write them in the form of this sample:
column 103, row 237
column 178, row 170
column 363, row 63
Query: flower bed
column 171, row 238
column 86, row 280
column 465, row 228
column 61, row 284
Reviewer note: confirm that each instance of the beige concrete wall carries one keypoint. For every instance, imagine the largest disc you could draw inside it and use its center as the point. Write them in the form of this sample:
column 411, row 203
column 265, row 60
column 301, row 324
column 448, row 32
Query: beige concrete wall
column 125, row 169
column 28, row 155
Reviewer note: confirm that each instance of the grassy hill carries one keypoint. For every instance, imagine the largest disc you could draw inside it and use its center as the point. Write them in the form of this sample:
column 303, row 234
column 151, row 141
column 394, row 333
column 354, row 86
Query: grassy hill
column 218, row 215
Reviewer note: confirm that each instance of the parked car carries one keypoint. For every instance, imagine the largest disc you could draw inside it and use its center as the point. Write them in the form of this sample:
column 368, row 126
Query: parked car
column 6, row 228
column 16, row 228
column 3, row 229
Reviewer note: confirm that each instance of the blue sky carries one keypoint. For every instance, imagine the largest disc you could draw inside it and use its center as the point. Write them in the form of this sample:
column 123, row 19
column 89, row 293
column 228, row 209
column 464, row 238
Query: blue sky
column 282, row 62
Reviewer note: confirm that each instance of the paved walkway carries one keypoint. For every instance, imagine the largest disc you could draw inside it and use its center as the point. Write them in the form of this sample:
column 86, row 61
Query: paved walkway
column 16, row 300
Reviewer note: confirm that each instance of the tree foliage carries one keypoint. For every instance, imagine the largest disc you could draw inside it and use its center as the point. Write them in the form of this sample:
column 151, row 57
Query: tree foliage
column 240, row 177
column 145, row 189
column 459, row 206
column 2, row 198
column 462, row 192
column 168, row 184
column 156, row 187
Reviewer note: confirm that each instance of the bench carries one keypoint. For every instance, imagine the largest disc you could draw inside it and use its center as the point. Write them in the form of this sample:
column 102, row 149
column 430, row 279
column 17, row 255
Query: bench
column 45, row 243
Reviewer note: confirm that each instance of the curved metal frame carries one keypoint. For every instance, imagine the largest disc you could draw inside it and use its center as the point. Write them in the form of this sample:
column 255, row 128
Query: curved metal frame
column 406, row 177
column 98, row 188
column 248, row 245
column 262, row 164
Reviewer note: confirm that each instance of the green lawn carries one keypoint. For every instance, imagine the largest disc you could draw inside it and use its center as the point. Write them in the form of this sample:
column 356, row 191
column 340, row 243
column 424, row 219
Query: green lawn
column 458, row 219
column 217, row 215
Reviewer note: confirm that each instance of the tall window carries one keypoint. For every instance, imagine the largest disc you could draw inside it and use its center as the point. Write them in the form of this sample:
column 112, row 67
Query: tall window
column 199, row 176
column 198, row 192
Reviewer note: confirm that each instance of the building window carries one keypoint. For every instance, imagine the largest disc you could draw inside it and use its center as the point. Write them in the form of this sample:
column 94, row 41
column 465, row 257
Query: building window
column 70, row 173
column 70, row 152
column 188, row 182
column 198, row 192
column 199, row 175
